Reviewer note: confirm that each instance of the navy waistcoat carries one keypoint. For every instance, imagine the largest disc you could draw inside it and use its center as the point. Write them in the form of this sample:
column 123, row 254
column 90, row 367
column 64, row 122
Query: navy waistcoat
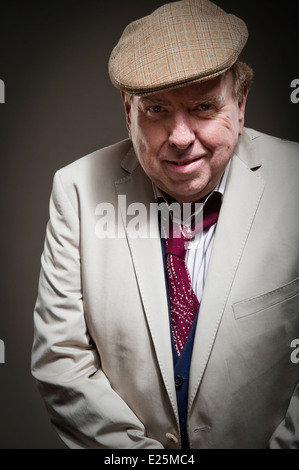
column 181, row 365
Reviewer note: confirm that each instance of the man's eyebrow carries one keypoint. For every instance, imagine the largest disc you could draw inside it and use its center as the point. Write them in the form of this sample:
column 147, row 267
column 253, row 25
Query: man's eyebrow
column 214, row 99
column 217, row 100
column 151, row 102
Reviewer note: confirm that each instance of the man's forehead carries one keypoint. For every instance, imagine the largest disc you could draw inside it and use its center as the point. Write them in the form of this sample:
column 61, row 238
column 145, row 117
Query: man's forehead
column 214, row 90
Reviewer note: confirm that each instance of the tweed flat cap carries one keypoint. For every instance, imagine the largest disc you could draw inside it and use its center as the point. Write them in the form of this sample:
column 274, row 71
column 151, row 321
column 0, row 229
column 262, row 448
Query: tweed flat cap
column 178, row 44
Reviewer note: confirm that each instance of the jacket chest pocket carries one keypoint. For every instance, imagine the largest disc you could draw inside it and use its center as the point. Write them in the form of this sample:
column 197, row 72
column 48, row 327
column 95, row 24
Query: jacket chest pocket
column 278, row 302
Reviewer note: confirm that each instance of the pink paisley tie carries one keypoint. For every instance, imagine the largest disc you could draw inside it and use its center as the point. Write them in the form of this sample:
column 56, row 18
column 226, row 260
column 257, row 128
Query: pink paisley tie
column 183, row 301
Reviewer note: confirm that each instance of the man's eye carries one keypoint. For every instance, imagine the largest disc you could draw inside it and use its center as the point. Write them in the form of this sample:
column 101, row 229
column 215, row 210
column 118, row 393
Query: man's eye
column 156, row 109
column 205, row 107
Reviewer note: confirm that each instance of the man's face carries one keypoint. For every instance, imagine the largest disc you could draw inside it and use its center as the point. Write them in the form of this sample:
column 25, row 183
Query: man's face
column 185, row 137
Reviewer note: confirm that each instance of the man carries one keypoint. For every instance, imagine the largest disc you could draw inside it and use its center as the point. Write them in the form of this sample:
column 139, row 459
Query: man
column 115, row 368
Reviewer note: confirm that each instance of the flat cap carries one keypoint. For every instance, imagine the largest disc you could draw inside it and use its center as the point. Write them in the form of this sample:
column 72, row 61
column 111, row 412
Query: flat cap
column 178, row 44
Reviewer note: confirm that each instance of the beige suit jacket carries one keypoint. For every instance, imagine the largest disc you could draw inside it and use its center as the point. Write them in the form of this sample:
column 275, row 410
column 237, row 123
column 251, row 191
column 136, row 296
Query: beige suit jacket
column 102, row 347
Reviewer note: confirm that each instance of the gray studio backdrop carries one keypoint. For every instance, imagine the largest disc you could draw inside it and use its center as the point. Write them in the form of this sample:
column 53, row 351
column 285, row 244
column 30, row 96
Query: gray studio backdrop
column 59, row 105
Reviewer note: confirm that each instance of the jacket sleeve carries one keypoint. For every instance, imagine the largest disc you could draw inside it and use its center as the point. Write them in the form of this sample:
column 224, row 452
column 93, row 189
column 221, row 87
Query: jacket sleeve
column 286, row 435
column 85, row 410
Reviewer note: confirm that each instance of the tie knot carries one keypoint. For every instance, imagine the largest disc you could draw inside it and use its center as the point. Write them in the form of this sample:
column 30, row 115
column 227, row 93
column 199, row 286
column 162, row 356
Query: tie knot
column 177, row 240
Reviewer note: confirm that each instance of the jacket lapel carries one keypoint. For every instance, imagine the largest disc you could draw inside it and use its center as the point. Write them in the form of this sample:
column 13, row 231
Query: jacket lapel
column 243, row 192
column 147, row 258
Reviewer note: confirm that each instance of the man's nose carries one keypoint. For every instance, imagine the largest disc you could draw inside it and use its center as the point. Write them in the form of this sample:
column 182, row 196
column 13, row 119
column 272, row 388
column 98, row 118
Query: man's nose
column 181, row 133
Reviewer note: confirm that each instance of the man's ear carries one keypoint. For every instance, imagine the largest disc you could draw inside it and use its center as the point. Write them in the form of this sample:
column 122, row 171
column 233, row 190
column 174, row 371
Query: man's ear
column 241, row 109
column 127, row 105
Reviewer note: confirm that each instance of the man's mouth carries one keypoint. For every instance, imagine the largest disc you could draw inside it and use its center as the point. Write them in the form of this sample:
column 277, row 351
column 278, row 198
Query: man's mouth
column 185, row 163
column 182, row 163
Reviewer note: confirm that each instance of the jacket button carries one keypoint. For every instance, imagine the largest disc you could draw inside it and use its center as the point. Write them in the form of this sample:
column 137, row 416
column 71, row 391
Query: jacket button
column 178, row 381
column 172, row 437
